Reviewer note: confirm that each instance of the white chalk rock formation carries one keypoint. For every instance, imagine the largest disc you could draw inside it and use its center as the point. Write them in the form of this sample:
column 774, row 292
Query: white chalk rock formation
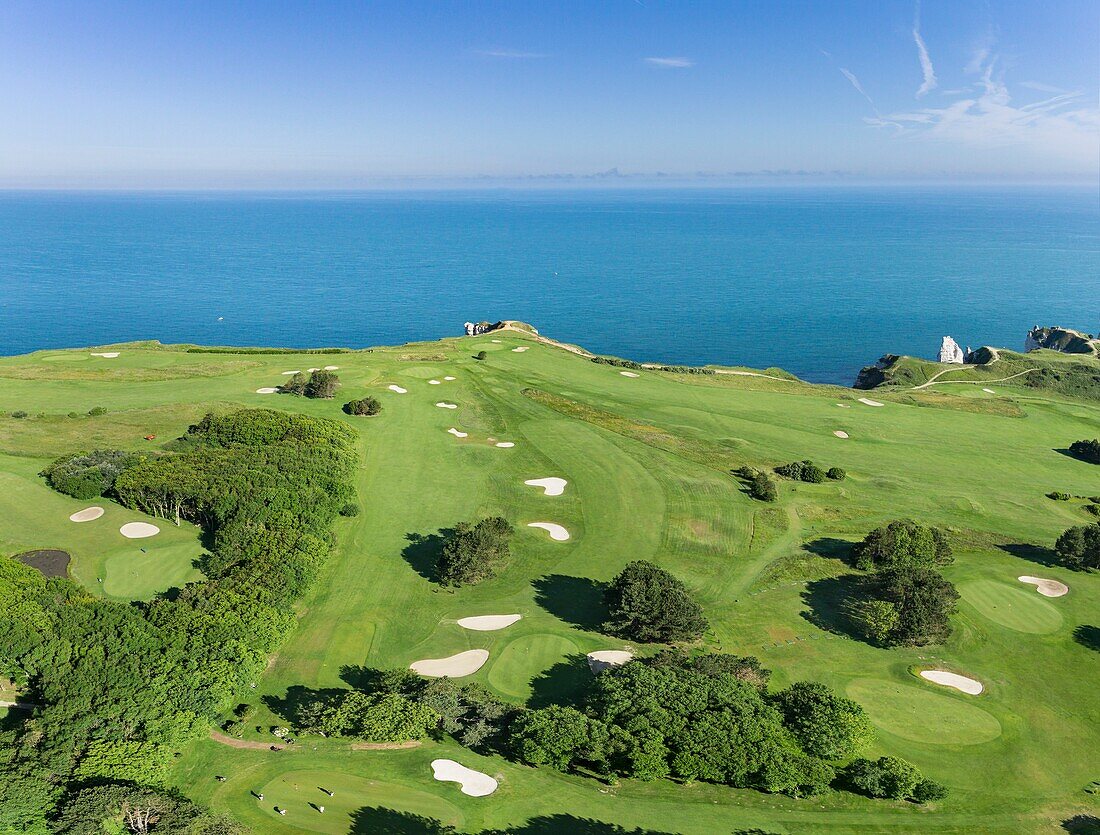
column 951, row 352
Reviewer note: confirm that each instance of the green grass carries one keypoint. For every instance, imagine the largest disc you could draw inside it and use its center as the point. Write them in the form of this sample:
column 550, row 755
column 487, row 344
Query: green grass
column 646, row 462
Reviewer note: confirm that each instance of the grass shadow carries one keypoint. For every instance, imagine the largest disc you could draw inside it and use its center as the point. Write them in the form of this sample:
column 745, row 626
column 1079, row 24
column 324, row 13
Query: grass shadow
column 289, row 707
column 830, row 604
column 565, row 683
column 1069, row 453
column 575, row 600
column 832, row 548
column 1033, row 553
column 377, row 820
column 1088, row 636
column 1082, row 825
column 423, row 552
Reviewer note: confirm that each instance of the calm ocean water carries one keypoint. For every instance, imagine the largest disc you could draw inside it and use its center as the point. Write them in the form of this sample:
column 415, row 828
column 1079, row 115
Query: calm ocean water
column 817, row 281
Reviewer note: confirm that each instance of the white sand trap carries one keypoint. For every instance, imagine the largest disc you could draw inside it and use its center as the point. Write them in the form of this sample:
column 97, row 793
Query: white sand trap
column 505, row 444
column 473, row 783
column 628, row 373
column 497, row 341
column 840, row 433
column 488, row 623
column 520, row 349
column 458, row 434
column 434, row 383
column 552, row 486
column 966, row 685
column 605, row 659
column 989, row 391
column 1047, row 588
column 290, row 373
column 87, row 514
column 108, row 355
column 398, row 389
column 844, row 405
column 266, row 390
column 448, row 379
column 453, row 666
column 138, row 530
column 332, row 368
column 866, row 401
column 311, row 370
column 443, row 405
column 556, row 531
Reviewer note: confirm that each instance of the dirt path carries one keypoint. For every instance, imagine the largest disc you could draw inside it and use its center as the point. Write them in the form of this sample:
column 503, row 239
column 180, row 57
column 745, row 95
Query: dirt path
column 385, row 746
column 218, row 736
column 932, row 380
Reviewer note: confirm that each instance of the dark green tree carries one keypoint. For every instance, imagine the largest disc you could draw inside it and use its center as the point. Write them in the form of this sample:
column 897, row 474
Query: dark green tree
column 902, row 544
column 923, row 600
column 321, row 384
column 558, row 736
column 1079, row 547
column 1086, row 450
column 825, row 724
column 365, row 407
column 474, row 551
column 646, row 603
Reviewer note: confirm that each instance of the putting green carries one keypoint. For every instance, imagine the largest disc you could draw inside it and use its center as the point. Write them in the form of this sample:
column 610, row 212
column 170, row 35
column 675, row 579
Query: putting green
column 296, row 790
column 137, row 576
column 524, row 658
column 1012, row 607
column 919, row 715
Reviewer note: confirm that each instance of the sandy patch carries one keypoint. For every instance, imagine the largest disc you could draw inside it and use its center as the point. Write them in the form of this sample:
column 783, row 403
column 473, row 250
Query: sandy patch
column 458, row 434
column 290, row 373
column 552, row 486
column 454, row 666
column 108, row 355
column 989, row 391
column 473, row 783
column 398, row 389
column 520, row 349
column 87, row 514
column 311, row 370
column 844, row 405
column 866, row 401
column 556, row 531
column 448, row 379
column 840, row 433
column 966, row 685
column 497, row 341
column 628, row 373
column 1047, row 588
column 266, row 390
column 332, row 368
column 434, row 383
column 138, row 530
column 605, row 659
column 443, row 405
column 505, row 444
column 488, row 623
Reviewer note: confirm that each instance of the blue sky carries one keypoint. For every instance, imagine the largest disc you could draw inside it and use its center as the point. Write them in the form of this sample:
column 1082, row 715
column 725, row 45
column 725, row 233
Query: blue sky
column 284, row 94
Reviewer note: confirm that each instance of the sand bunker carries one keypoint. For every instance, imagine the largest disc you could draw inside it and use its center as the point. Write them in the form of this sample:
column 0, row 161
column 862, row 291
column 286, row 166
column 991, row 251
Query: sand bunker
column 110, row 355
column 989, row 391
column 266, row 390
column 497, row 341
column 434, row 383
column 453, row 666
column 552, row 486
column 628, row 373
column 488, row 623
column 473, row 783
column 398, row 389
column 605, row 659
column 449, row 378
column 840, row 433
column 443, row 405
column 332, row 368
column 87, row 514
column 866, row 401
column 311, row 370
column 556, row 531
column 505, row 444
column 458, row 434
column 520, row 349
column 289, row 373
column 966, row 685
column 1047, row 588
column 844, row 405
column 138, row 530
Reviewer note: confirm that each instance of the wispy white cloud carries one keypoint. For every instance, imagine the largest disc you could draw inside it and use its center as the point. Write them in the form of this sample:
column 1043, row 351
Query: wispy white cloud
column 670, row 63
column 929, row 73
column 1042, row 88
column 851, row 76
column 509, row 53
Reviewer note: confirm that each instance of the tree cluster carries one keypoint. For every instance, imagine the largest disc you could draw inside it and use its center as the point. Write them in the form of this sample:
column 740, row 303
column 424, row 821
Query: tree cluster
column 646, row 603
column 364, row 407
column 905, row 607
column 1079, row 547
column 891, row 777
column 322, row 384
column 903, row 544
column 761, row 486
column 88, row 475
column 474, row 551
column 1086, row 450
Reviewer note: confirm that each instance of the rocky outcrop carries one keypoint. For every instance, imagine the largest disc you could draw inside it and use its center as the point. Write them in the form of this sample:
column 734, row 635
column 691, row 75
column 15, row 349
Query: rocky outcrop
column 477, row 328
column 951, row 352
column 1061, row 339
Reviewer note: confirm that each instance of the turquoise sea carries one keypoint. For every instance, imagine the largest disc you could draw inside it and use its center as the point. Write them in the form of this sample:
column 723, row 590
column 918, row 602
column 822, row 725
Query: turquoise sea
column 819, row 281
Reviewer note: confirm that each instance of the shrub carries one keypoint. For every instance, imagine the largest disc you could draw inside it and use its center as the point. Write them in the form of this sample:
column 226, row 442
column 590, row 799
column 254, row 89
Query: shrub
column 760, row 485
column 296, row 385
column 350, row 509
column 812, row 473
column 322, row 384
column 74, row 414
column 806, row 471
column 97, row 411
column 646, row 603
column 1086, row 450
column 836, row 474
column 928, row 791
column 368, row 406
column 1059, row 496
column 885, row 777
column 903, row 543
column 480, row 355
column 825, row 725
column 473, row 552
column 1079, row 547
column 87, row 475
column 1094, row 509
